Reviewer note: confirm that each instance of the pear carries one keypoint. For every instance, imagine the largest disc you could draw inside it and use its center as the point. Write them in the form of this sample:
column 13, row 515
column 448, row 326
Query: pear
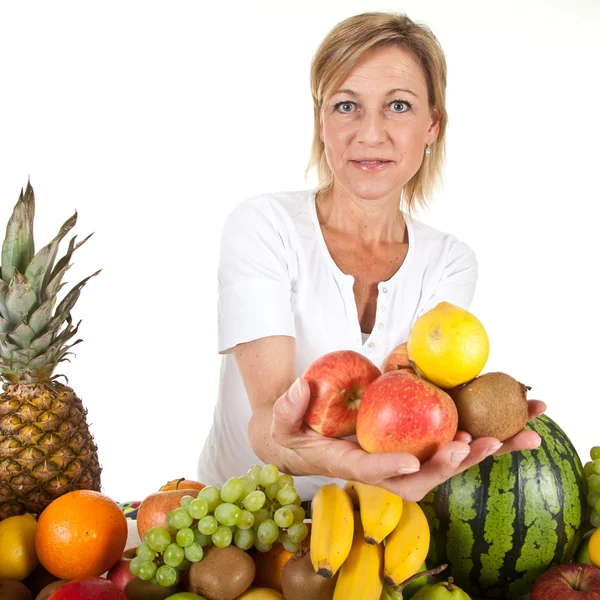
column 444, row 590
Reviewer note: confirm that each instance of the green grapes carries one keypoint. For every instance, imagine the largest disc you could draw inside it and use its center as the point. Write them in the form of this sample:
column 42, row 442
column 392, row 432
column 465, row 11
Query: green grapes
column 297, row 532
column 256, row 510
column 198, row 508
column 228, row 514
column 158, row 538
column 194, row 552
column 207, row 525
column 286, row 495
column 244, row 539
column 185, row 537
column 283, row 517
column 222, row 537
column 212, row 495
column 145, row 552
column 254, row 501
column 268, row 475
column 268, row 532
column 173, row 555
column 232, row 490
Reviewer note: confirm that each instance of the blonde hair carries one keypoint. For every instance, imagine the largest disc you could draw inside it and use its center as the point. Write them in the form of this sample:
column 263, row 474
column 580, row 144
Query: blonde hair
column 340, row 51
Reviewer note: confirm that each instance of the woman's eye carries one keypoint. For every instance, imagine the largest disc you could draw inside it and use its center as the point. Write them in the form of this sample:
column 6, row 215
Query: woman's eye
column 400, row 106
column 344, row 107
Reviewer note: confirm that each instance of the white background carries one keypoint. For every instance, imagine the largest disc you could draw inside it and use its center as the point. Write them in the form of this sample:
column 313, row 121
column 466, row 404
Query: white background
column 154, row 120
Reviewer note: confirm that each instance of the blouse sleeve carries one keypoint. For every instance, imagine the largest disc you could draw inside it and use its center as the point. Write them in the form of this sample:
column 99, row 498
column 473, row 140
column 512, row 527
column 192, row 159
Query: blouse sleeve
column 458, row 279
column 254, row 293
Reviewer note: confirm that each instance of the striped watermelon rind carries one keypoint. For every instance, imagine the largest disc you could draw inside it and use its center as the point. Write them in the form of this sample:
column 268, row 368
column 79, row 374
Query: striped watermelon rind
column 501, row 523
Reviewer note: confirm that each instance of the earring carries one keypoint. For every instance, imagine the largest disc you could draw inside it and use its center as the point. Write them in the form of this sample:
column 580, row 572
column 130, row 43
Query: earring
column 427, row 150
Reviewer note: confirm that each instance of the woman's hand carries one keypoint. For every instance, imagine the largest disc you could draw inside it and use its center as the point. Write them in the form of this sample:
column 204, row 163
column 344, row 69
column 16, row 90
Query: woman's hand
column 398, row 472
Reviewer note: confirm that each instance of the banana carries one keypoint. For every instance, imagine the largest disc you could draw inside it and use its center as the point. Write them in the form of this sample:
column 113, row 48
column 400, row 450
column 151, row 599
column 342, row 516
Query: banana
column 331, row 530
column 407, row 546
column 360, row 577
column 380, row 510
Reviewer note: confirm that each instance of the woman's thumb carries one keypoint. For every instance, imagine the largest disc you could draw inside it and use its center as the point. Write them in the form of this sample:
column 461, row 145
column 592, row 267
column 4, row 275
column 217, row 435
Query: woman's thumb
column 290, row 407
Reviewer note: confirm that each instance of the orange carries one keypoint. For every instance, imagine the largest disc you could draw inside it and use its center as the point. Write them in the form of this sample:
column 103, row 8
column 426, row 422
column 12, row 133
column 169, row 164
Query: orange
column 80, row 533
column 269, row 565
column 594, row 548
column 182, row 484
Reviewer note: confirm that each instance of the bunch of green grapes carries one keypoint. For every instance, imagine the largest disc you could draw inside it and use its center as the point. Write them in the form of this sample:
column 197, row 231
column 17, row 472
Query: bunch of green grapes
column 592, row 473
column 252, row 511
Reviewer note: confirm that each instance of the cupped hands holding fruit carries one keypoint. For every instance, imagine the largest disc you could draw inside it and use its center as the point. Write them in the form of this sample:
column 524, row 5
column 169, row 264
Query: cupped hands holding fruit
column 408, row 439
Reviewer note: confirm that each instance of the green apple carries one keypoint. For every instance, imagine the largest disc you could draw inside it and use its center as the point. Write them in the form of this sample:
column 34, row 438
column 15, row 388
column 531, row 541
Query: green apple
column 583, row 552
column 185, row 596
column 444, row 590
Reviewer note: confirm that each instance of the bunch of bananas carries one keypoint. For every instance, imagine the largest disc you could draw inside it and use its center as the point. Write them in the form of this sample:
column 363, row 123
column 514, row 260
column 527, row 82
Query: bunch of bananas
column 348, row 528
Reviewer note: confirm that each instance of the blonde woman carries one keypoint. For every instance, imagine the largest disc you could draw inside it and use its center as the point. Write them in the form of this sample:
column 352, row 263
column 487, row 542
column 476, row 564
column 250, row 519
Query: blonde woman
column 343, row 266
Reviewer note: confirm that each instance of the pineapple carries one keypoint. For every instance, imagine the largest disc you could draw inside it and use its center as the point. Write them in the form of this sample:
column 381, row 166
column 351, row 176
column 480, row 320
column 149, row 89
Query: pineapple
column 46, row 449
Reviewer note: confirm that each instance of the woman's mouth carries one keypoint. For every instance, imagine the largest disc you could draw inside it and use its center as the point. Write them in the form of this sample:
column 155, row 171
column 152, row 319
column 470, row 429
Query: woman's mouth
column 371, row 165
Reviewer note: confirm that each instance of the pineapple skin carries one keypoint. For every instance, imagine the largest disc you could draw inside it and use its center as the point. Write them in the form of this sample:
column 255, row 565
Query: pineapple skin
column 46, row 448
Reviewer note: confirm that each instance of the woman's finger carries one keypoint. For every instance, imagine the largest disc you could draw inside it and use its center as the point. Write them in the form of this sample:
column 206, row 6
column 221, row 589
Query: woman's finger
column 463, row 436
column 524, row 440
column 536, row 408
column 288, row 413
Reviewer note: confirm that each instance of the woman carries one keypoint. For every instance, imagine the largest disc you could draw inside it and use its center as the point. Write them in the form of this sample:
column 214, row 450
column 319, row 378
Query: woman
column 343, row 266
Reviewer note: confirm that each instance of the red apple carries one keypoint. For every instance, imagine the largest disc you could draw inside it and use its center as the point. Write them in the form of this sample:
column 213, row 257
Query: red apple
column 119, row 573
column 154, row 509
column 396, row 359
column 400, row 412
column 570, row 581
column 134, row 587
column 90, row 588
column 337, row 383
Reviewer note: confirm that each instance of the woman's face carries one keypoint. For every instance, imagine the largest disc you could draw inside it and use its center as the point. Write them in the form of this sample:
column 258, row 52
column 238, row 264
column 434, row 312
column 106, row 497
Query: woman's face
column 376, row 125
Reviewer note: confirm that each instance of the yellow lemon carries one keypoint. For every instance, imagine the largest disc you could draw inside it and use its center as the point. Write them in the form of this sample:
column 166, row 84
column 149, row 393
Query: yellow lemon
column 594, row 548
column 448, row 345
column 17, row 547
column 261, row 594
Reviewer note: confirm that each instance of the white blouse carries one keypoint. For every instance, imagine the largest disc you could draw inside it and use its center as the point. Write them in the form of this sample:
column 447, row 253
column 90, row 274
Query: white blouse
column 276, row 277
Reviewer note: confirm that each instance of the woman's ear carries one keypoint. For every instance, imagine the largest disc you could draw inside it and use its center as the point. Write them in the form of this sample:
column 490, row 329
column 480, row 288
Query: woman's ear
column 434, row 127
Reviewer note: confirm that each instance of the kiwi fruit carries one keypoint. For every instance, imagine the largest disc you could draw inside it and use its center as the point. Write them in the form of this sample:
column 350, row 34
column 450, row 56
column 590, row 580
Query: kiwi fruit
column 300, row 582
column 46, row 592
column 14, row 590
column 223, row 573
column 494, row 404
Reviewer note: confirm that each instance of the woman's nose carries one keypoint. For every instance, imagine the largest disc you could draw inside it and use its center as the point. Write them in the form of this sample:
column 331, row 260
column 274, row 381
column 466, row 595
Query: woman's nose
column 372, row 128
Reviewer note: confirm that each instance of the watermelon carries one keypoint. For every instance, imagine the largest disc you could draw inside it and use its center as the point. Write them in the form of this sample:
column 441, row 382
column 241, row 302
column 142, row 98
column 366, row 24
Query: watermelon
column 503, row 522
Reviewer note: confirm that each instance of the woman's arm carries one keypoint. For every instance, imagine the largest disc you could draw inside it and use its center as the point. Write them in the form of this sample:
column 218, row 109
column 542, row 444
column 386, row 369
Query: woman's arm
column 267, row 367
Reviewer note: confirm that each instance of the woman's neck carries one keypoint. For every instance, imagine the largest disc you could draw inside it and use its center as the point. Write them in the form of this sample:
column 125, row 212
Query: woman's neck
column 371, row 221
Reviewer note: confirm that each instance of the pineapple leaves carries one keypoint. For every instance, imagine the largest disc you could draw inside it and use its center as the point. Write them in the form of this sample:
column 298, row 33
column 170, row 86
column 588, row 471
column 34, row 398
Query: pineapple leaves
column 22, row 335
column 18, row 246
column 63, row 263
column 3, row 292
column 67, row 303
column 40, row 268
column 20, row 298
column 41, row 316
column 6, row 348
column 5, row 325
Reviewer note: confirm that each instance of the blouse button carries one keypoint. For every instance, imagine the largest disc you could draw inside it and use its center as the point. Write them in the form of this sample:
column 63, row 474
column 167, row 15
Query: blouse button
column 384, row 290
column 380, row 326
column 371, row 344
